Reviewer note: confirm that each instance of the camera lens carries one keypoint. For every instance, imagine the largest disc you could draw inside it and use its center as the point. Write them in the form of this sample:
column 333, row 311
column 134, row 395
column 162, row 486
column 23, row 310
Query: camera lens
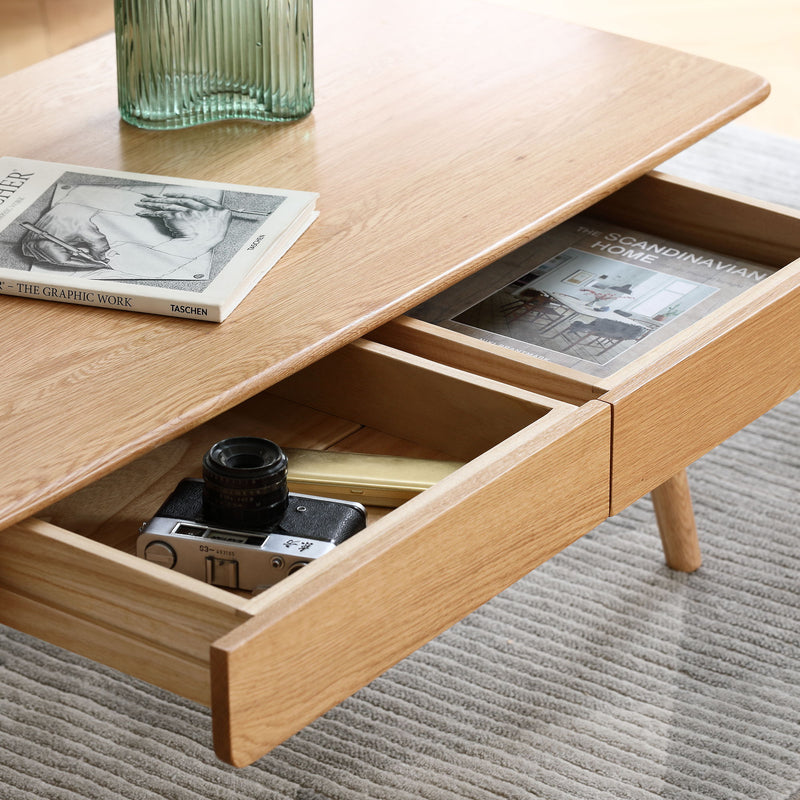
column 244, row 483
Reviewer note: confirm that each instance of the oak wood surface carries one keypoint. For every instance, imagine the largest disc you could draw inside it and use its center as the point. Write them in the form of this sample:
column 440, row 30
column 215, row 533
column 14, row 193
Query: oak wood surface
column 112, row 606
column 758, row 35
column 704, row 385
column 385, row 592
column 70, row 577
column 415, row 398
column 484, row 358
column 712, row 218
column 168, row 668
column 672, row 503
column 444, row 135
column 691, row 392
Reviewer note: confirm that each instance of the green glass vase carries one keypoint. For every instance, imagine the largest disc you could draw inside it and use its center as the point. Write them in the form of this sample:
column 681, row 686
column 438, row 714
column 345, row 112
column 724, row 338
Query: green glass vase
column 187, row 62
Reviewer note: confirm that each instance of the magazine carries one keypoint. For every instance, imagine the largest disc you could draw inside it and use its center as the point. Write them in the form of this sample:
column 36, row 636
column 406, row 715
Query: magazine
column 133, row 242
column 591, row 295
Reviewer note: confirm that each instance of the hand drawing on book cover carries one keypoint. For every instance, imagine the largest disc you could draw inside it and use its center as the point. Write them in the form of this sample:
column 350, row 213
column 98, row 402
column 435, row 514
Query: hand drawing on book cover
column 127, row 232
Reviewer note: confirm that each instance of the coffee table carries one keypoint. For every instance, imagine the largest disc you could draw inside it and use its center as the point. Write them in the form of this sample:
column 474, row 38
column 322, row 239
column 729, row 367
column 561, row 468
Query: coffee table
column 444, row 136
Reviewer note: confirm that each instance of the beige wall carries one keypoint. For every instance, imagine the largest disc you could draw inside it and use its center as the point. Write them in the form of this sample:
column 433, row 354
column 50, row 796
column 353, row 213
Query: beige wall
column 34, row 29
column 760, row 35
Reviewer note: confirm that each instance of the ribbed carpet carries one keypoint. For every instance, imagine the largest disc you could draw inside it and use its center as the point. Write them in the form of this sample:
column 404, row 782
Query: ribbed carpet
column 600, row 675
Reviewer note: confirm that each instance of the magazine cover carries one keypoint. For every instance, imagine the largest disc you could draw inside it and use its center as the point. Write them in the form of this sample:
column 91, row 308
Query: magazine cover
column 591, row 295
column 170, row 246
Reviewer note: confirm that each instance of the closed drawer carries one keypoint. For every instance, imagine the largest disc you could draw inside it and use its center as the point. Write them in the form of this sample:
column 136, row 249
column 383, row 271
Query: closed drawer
column 535, row 478
column 678, row 399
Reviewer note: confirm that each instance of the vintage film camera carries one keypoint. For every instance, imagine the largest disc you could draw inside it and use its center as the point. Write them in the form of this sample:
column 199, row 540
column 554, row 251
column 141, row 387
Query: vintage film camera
column 239, row 526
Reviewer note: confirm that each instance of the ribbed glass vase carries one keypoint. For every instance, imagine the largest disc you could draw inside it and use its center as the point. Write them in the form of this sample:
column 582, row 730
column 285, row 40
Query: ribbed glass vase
column 186, row 62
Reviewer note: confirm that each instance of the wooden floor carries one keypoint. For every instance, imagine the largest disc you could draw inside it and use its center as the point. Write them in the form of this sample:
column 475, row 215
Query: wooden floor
column 763, row 36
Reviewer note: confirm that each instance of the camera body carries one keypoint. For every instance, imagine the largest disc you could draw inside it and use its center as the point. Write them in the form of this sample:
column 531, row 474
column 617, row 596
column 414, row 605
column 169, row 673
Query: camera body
column 241, row 531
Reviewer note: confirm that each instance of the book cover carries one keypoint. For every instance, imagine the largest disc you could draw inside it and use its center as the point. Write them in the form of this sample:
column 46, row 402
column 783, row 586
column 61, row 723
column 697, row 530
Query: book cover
column 591, row 295
column 135, row 242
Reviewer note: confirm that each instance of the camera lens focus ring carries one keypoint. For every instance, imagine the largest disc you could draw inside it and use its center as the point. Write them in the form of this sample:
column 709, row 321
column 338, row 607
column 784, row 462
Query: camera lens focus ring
column 244, row 483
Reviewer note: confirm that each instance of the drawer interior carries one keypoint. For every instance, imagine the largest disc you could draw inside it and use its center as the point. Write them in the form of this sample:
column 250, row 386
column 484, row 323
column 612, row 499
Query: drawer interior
column 71, row 576
column 593, row 299
column 764, row 233
column 365, row 398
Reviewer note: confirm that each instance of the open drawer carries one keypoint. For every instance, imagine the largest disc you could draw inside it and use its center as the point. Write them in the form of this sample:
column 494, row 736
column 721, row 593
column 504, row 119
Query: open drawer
column 535, row 478
column 682, row 390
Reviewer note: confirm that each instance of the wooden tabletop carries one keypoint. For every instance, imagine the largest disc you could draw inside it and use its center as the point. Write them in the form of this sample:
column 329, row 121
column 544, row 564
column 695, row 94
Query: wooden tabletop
column 444, row 135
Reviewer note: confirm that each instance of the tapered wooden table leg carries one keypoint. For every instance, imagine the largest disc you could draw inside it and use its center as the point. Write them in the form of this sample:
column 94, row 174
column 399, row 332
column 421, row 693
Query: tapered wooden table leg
column 672, row 502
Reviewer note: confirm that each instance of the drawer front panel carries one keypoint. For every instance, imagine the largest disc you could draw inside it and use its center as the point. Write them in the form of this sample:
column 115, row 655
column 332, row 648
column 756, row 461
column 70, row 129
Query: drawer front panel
column 727, row 371
column 384, row 593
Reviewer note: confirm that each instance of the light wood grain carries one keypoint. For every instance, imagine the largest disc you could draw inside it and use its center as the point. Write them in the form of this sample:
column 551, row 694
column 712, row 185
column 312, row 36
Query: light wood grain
column 672, row 503
column 433, row 154
column 71, row 578
column 385, row 592
column 170, row 669
column 760, row 35
column 112, row 606
column 691, row 392
column 711, row 218
column 704, row 385
column 415, row 398
column 483, row 358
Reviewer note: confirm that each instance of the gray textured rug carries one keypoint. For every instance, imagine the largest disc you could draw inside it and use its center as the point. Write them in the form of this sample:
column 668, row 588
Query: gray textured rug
column 600, row 675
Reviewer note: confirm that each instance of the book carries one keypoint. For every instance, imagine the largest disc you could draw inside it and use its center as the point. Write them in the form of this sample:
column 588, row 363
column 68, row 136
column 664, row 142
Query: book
column 591, row 295
column 172, row 246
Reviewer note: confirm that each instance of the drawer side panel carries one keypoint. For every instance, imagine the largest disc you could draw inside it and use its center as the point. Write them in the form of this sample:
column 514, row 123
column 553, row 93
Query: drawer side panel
column 711, row 218
column 113, row 607
column 171, row 670
column 489, row 360
column 414, row 398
